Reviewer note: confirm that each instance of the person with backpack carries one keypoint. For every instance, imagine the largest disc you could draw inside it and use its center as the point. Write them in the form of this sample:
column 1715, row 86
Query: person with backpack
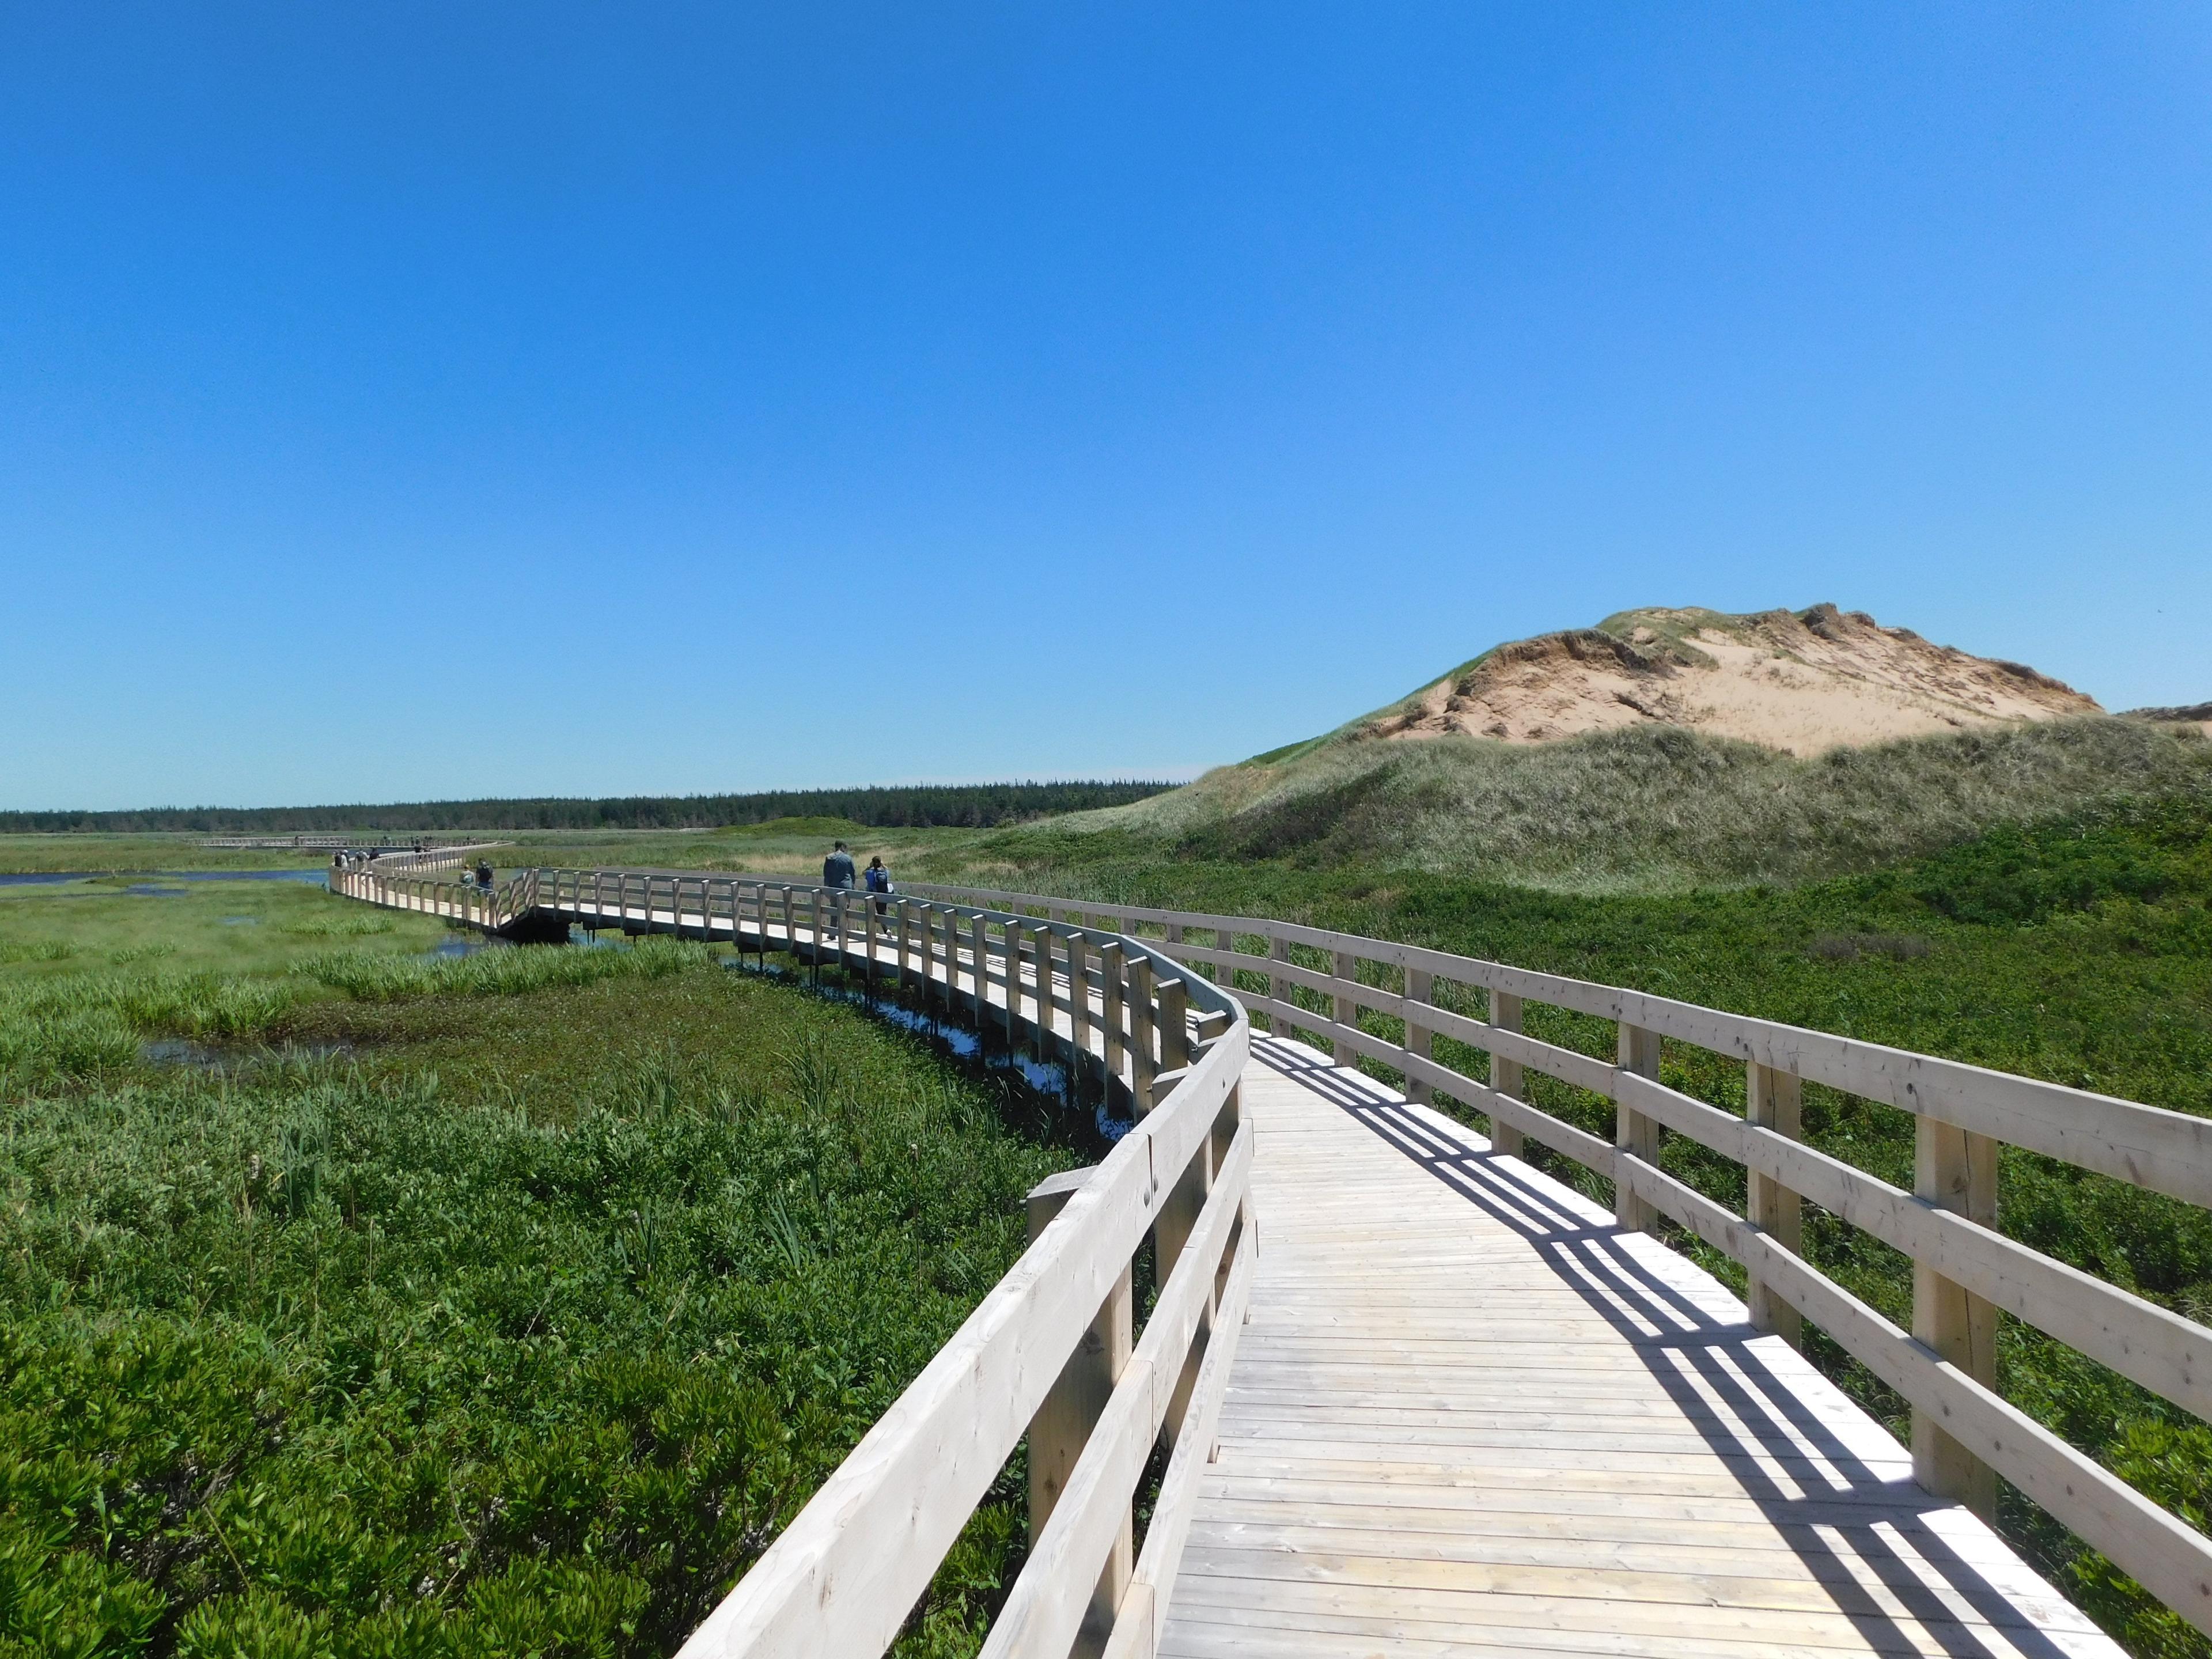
column 879, row 882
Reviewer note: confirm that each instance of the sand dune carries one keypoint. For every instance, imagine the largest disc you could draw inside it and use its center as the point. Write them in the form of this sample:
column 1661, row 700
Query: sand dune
column 1802, row 682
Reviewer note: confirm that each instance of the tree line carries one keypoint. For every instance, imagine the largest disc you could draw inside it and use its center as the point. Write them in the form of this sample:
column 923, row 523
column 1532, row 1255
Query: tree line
column 969, row 807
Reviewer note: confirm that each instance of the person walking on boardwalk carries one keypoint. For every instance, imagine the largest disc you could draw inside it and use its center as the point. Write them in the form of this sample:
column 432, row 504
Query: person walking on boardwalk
column 879, row 883
column 837, row 868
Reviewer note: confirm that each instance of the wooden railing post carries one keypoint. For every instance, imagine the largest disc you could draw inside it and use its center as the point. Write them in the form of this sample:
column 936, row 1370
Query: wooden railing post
column 1279, row 989
column 1173, row 1024
column 1957, row 1171
column 980, row 942
column 1178, row 1217
column 1632, row 1131
column 1348, row 1010
column 1774, row 1099
column 1078, row 1397
column 1078, row 1009
column 1419, row 986
column 1113, row 1034
column 1019, row 939
column 905, row 943
column 1144, row 1066
column 1046, row 1037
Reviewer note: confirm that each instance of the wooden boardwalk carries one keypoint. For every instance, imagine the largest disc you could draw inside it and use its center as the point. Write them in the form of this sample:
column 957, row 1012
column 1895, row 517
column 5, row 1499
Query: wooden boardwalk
column 1468, row 1414
column 1465, row 1412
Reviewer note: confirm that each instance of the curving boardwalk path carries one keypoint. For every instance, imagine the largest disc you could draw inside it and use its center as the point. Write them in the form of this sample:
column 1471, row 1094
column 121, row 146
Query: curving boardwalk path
column 1467, row 1415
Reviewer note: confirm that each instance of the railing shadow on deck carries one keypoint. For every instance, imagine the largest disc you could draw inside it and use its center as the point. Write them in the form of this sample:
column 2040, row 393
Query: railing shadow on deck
column 1772, row 1423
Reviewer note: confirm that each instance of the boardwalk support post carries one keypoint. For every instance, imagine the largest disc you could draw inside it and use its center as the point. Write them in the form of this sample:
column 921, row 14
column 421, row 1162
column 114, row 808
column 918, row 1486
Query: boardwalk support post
column 1113, row 1034
column 1174, row 1001
column 1079, row 1011
column 1506, row 1075
column 1956, row 1171
column 1348, row 1010
column 1144, row 1065
column 1078, row 1397
column 1047, row 1038
column 1774, row 1099
column 980, row 943
column 1419, row 987
column 1634, row 1132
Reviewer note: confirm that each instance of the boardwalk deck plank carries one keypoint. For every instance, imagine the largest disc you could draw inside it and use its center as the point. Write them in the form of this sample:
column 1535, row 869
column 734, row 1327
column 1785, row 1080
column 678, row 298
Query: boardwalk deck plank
column 1469, row 1415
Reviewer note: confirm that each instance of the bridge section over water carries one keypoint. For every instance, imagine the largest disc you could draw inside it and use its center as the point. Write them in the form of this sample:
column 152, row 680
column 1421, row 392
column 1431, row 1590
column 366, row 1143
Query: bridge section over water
column 1422, row 1398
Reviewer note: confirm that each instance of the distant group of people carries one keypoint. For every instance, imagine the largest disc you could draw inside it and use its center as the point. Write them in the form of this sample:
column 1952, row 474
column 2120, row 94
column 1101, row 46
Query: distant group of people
column 481, row 876
column 838, row 870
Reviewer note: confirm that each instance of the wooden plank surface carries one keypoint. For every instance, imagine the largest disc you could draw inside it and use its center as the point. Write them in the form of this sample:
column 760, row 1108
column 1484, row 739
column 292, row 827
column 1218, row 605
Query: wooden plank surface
column 1469, row 1415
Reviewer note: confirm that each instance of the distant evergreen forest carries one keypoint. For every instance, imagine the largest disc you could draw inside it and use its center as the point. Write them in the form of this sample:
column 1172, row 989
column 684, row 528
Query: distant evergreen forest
column 976, row 806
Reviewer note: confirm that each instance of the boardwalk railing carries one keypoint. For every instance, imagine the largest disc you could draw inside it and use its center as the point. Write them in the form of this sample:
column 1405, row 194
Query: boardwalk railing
column 1966, row 1272
column 320, row 843
column 842, row 1578
column 1054, row 1352
column 429, row 859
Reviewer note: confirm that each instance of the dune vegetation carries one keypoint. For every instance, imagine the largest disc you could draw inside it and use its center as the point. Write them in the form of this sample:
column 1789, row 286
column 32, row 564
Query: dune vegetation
column 1643, row 809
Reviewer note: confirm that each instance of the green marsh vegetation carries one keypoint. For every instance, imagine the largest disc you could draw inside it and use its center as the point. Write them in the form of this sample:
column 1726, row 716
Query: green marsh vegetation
column 115, row 854
column 523, row 1329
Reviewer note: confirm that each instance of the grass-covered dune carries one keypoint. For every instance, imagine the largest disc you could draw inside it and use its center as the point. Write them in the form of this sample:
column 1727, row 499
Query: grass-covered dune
column 522, row 1328
column 1647, row 808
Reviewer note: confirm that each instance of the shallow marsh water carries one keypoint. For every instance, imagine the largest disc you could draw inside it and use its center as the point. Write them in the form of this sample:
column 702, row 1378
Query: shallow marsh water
column 1046, row 1077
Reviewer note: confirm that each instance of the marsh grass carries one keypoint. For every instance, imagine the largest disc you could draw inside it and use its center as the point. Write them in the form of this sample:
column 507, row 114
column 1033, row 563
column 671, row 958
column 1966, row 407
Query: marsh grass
column 421, row 1356
column 352, row 927
column 240, row 927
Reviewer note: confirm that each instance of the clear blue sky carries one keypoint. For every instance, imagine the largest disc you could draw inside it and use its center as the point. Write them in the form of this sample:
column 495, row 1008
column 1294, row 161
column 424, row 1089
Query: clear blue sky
column 434, row 400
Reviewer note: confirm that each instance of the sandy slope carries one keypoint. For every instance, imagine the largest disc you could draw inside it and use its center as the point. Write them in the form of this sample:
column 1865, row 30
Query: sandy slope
column 1800, row 681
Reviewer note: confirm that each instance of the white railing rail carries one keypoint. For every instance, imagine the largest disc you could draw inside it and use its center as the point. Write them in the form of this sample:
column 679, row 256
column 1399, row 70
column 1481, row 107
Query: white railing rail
column 1052, row 1352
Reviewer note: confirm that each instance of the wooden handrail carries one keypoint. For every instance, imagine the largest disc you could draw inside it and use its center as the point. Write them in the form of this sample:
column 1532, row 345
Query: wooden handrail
column 843, row 1575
